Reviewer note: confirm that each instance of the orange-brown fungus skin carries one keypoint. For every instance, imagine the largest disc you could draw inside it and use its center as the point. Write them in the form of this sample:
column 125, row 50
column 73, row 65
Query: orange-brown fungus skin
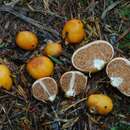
column 100, row 103
column 39, row 67
column 26, row 40
column 53, row 48
column 73, row 31
column 5, row 77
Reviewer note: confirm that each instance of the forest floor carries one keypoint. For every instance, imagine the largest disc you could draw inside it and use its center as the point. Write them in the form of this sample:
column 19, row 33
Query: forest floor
column 103, row 19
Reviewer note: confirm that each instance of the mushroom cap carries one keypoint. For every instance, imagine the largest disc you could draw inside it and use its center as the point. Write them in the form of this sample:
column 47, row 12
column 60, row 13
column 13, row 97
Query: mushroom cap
column 118, row 70
column 93, row 56
column 5, row 77
column 73, row 31
column 73, row 83
column 100, row 103
column 53, row 48
column 45, row 89
column 39, row 67
column 27, row 40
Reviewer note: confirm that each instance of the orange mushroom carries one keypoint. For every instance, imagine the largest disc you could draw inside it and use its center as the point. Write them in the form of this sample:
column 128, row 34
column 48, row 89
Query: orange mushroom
column 100, row 103
column 73, row 31
column 40, row 66
column 5, row 77
column 26, row 40
column 53, row 48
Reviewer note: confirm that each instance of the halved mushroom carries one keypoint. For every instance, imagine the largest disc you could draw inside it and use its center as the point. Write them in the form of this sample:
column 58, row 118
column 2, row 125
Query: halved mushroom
column 118, row 70
column 73, row 83
column 45, row 89
column 93, row 56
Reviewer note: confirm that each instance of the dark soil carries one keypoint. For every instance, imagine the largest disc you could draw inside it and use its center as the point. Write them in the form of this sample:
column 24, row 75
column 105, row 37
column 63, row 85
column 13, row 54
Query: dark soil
column 103, row 19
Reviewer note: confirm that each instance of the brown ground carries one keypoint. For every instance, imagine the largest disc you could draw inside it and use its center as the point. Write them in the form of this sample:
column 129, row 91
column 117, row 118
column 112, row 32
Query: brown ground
column 103, row 20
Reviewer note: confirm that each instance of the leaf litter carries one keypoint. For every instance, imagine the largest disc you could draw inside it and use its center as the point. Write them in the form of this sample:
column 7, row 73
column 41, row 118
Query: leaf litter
column 18, row 109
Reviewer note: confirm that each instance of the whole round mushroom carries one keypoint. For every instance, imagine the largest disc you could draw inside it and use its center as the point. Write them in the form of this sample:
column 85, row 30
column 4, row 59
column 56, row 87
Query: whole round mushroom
column 26, row 40
column 39, row 67
column 5, row 77
column 99, row 104
column 73, row 31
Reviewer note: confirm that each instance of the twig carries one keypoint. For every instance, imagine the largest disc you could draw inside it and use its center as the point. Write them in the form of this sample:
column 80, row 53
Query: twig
column 89, row 126
column 73, row 105
column 98, row 28
column 35, row 23
column 92, row 119
column 51, row 122
column 12, row 3
column 4, row 96
column 110, row 7
column 123, row 35
column 45, row 12
column 11, row 106
column 12, row 94
column 35, row 121
column 70, row 123
column 46, row 4
column 6, row 114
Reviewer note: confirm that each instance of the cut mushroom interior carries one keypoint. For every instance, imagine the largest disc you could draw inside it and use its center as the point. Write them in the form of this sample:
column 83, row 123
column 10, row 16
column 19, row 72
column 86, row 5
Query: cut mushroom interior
column 73, row 83
column 118, row 70
column 93, row 56
column 45, row 89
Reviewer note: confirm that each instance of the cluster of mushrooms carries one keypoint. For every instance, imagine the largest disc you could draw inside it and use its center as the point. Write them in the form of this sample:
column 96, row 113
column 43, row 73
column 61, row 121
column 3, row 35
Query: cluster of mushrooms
column 90, row 58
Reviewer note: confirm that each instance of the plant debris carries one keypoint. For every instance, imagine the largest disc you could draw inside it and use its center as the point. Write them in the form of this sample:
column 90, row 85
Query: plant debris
column 103, row 20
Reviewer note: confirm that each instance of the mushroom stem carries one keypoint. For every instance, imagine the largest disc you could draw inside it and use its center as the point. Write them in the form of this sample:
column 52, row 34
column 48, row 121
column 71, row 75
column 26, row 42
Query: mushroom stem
column 71, row 91
column 116, row 81
column 98, row 64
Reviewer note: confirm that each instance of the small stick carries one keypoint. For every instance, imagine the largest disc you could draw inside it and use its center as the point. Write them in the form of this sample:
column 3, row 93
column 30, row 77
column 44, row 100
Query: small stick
column 56, row 115
column 35, row 23
column 6, row 114
column 13, row 3
column 110, row 7
column 123, row 35
column 69, row 107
